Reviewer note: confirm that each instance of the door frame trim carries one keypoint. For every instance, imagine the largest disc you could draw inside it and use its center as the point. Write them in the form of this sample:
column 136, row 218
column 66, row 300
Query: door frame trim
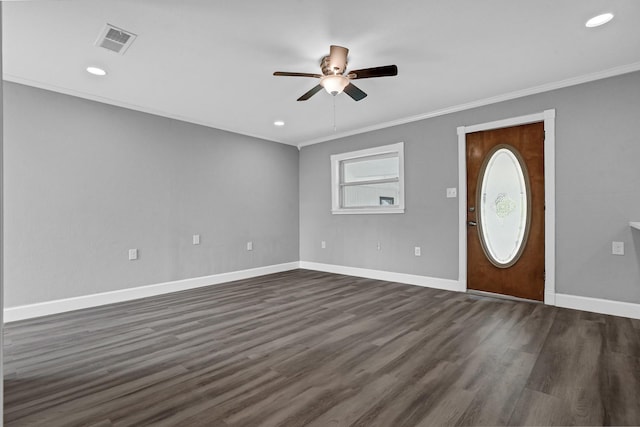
column 549, row 119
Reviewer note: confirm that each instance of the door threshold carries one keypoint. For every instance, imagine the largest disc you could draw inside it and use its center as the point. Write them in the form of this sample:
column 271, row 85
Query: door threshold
column 501, row 296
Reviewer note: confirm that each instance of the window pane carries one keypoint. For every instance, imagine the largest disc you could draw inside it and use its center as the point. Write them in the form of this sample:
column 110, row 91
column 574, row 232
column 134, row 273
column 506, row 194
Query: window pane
column 503, row 206
column 383, row 194
column 370, row 169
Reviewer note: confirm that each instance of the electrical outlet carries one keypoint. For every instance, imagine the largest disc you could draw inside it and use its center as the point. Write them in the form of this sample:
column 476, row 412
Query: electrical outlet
column 249, row 246
column 378, row 247
column 417, row 251
column 196, row 239
column 323, row 244
column 452, row 193
column 133, row 254
column 617, row 248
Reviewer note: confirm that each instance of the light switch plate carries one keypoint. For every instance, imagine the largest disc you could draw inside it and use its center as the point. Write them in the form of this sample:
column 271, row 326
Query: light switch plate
column 196, row 239
column 323, row 244
column 249, row 246
column 417, row 251
column 133, row 254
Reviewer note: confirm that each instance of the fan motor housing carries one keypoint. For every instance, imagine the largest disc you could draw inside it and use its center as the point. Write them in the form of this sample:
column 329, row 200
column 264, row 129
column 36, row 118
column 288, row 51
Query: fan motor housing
column 331, row 69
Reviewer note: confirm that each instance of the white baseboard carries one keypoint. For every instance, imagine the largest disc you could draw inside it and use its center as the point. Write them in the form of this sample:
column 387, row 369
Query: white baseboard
column 550, row 298
column 29, row 311
column 410, row 279
column 12, row 314
column 597, row 305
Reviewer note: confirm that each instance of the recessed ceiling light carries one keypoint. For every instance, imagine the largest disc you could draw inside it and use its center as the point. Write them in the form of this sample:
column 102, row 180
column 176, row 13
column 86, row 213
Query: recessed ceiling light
column 278, row 123
column 96, row 71
column 596, row 21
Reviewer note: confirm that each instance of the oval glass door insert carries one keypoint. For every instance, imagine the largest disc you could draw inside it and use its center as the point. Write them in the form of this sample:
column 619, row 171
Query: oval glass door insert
column 504, row 202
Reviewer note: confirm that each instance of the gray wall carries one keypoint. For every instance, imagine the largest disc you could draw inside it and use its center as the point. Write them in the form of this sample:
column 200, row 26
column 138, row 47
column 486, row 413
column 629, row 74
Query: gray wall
column 87, row 181
column 597, row 185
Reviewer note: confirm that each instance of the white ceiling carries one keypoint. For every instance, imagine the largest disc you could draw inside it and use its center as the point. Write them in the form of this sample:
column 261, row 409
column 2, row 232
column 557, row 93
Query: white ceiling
column 211, row 61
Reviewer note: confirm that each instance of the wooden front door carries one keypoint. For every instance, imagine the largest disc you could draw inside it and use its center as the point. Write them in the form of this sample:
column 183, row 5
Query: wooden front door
column 505, row 211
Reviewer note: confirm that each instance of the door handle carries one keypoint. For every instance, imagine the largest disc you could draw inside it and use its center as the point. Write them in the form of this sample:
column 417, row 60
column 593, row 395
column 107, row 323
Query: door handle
column 472, row 223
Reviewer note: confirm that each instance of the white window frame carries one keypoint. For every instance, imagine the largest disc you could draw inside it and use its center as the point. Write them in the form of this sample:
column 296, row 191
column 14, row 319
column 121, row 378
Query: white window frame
column 336, row 159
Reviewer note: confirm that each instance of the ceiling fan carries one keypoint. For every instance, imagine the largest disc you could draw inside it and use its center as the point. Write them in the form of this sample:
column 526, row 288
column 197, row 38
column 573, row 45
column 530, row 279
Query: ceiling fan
column 333, row 78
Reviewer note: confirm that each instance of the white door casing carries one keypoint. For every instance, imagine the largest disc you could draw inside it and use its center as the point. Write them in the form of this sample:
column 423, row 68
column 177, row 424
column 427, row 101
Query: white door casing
column 548, row 117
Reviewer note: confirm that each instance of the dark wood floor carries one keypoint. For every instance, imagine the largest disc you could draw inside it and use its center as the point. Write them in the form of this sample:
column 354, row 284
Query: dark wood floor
column 308, row 348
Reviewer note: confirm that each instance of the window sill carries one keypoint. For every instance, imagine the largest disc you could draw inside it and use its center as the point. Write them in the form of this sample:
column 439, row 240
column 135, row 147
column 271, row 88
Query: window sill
column 368, row 211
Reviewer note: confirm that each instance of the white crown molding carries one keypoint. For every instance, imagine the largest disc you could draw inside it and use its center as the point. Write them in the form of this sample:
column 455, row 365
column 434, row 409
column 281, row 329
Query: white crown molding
column 611, row 72
column 135, row 107
column 409, row 279
column 598, row 305
column 12, row 314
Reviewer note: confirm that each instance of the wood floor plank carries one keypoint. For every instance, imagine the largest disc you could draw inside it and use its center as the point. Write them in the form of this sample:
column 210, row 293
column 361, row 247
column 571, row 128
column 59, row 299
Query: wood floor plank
column 309, row 348
column 540, row 409
column 496, row 398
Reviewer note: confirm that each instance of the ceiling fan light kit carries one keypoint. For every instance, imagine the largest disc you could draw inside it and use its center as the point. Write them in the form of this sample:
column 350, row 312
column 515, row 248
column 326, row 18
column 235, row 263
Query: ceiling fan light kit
column 334, row 84
column 333, row 78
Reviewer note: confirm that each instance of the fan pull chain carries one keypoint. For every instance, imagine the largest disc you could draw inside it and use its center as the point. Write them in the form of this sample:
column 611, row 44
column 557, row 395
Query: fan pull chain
column 334, row 113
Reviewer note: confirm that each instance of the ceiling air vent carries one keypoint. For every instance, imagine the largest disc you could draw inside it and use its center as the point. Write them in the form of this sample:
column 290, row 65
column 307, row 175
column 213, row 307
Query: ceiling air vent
column 115, row 39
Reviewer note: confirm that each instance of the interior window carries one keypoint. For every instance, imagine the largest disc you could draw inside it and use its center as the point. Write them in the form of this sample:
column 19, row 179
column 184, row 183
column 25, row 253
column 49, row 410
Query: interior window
column 369, row 181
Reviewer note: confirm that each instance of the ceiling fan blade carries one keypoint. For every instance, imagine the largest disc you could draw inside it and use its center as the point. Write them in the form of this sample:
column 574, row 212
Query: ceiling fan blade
column 365, row 73
column 313, row 91
column 285, row 73
column 354, row 92
column 338, row 58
